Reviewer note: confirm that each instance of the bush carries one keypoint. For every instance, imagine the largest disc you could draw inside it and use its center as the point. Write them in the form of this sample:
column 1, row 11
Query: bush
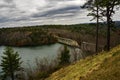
column 44, row 67
column 64, row 56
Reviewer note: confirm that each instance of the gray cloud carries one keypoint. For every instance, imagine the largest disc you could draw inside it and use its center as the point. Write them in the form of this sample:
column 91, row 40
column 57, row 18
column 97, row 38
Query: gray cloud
column 38, row 12
column 60, row 12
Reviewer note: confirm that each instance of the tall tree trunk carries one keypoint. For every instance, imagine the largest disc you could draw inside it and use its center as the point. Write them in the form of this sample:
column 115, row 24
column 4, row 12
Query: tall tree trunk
column 96, row 50
column 11, row 69
column 12, row 75
column 108, row 29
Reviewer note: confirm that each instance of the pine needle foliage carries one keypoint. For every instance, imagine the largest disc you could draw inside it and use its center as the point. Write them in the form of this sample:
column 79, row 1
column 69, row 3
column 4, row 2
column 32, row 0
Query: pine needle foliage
column 10, row 63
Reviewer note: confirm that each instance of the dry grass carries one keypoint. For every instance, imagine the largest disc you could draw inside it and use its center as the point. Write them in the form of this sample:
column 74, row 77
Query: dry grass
column 104, row 66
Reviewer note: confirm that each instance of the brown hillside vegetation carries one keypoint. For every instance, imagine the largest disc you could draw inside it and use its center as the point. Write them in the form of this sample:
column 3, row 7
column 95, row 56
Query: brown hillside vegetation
column 104, row 66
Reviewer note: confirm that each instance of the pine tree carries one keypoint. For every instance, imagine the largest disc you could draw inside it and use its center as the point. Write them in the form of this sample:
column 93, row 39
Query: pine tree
column 64, row 56
column 109, row 10
column 93, row 6
column 10, row 63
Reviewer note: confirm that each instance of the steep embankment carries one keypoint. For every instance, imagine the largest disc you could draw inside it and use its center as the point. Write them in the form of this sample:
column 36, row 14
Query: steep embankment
column 104, row 66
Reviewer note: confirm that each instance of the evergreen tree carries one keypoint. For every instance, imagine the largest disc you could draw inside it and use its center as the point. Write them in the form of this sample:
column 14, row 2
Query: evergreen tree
column 109, row 10
column 106, row 8
column 93, row 6
column 64, row 56
column 10, row 63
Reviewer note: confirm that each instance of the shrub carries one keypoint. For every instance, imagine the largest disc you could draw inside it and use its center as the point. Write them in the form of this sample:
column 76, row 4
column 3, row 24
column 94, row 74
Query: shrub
column 44, row 67
column 64, row 56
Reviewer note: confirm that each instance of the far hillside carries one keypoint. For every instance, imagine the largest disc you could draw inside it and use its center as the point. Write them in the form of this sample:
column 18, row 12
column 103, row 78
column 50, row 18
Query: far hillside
column 44, row 34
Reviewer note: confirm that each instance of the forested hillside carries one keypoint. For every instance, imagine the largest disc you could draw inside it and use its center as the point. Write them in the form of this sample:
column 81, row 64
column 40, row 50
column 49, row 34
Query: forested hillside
column 25, row 37
column 40, row 35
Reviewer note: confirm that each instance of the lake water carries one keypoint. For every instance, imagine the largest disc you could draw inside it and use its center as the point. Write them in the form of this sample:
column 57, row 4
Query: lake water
column 29, row 54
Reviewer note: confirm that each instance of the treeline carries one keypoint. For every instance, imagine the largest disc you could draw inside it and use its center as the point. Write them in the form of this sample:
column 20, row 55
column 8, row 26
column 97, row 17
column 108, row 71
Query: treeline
column 44, row 34
column 88, row 28
column 25, row 36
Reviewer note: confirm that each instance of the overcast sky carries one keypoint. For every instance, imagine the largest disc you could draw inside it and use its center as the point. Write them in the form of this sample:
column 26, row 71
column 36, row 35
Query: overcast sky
column 39, row 12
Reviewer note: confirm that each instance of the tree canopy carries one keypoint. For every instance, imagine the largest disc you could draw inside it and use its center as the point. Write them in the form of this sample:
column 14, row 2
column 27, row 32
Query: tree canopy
column 10, row 63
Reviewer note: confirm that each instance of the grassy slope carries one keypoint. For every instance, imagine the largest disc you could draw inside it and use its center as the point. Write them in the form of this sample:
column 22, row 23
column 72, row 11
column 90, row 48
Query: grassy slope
column 104, row 66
